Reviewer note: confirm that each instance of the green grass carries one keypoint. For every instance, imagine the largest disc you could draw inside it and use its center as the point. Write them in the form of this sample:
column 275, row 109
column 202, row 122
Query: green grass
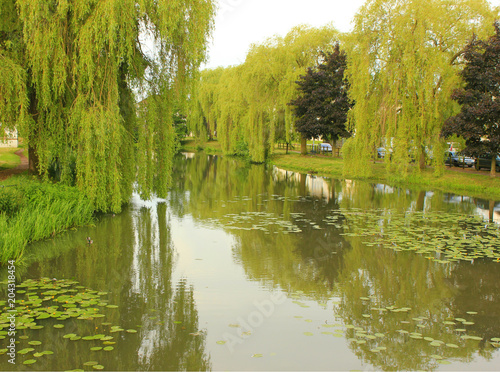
column 473, row 184
column 193, row 145
column 31, row 210
column 8, row 159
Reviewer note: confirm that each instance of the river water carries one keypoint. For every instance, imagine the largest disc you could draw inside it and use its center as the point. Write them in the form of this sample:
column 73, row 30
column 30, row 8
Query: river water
column 248, row 267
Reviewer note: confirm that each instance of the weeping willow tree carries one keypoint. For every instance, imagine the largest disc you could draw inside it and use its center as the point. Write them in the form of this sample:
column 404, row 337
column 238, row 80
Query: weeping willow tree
column 70, row 74
column 403, row 62
column 204, row 115
column 249, row 103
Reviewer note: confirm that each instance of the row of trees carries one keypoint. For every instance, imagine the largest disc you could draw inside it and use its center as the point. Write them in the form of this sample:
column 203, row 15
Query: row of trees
column 403, row 64
column 248, row 105
column 71, row 72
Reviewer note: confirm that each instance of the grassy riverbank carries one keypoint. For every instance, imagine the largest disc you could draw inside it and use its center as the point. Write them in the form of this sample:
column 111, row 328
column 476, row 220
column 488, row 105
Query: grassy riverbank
column 454, row 180
column 31, row 210
column 192, row 145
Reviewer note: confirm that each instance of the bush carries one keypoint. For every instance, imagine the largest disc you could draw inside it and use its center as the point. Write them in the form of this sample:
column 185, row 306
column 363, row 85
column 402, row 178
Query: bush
column 241, row 149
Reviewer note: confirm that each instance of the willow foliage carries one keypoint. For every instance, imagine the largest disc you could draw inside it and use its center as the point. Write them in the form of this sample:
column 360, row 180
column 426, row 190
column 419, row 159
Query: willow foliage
column 248, row 104
column 82, row 61
column 404, row 56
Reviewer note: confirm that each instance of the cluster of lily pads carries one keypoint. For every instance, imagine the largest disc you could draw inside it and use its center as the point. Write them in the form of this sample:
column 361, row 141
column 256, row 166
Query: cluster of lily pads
column 262, row 221
column 52, row 303
column 371, row 334
column 441, row 237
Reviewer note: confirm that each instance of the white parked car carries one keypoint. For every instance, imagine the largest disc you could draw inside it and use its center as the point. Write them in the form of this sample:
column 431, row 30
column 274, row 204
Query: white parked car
column 326, row 147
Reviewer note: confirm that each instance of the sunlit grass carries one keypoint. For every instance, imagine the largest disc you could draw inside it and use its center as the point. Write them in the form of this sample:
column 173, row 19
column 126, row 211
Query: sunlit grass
column 472, row 183
column 8, row 159
column 31, row 210
column 193, row 145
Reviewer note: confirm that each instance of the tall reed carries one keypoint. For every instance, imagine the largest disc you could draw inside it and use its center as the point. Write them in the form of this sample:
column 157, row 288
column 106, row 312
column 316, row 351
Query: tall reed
column 31, row 210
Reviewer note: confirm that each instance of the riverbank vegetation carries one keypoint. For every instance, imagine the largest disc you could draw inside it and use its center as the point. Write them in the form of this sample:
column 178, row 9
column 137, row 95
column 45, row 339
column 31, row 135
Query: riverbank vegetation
column 72, row 74
column 452, row 180
column 31, row 210
column 403, row 63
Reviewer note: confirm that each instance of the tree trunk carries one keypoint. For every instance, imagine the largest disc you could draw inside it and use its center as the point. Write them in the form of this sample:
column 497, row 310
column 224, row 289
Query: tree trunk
column 33, row 160
column 334, row 148
column 493, row 166
column 303, row 146
column 32, row 148
column 421, row 161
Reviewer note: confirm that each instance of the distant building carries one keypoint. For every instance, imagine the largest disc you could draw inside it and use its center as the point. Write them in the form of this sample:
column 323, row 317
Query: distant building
column 8, row 138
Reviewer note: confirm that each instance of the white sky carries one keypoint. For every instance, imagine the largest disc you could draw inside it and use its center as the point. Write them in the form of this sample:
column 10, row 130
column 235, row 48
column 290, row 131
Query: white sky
column 239, row 23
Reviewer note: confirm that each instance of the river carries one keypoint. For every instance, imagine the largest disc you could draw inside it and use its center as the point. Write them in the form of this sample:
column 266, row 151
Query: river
column 248, row 267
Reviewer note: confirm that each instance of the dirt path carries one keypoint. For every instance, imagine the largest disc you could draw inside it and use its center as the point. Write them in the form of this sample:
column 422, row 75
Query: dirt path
column 4, row 174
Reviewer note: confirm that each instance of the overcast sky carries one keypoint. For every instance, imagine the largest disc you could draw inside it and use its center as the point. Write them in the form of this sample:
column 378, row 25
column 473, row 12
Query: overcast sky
column 240, row 23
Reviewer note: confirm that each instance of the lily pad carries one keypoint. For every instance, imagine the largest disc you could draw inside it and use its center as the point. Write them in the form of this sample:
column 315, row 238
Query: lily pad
column 91, row 363
column 24, row 351
column 29, row 361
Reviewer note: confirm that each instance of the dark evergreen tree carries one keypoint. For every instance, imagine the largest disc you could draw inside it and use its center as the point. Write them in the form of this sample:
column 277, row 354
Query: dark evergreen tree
column 479, row 118
column 321, row 109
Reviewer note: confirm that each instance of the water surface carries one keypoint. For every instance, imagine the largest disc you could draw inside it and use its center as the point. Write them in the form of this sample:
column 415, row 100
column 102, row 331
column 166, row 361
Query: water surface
column 246, row 267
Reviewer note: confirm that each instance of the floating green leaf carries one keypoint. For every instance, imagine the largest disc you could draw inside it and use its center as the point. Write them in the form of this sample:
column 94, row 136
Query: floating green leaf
column 91, row 363
column 24, row 351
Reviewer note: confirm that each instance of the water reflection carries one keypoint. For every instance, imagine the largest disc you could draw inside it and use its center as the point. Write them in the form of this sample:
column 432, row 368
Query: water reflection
column 132, row 257
column 184, row 270
column 323, row 264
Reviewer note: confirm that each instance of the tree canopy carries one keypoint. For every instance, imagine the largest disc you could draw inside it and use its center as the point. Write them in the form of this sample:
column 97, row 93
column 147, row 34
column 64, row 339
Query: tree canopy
column 322, row 105
column 478, row 122
column 70, row 72
column 404, row 57
column 248, row 104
